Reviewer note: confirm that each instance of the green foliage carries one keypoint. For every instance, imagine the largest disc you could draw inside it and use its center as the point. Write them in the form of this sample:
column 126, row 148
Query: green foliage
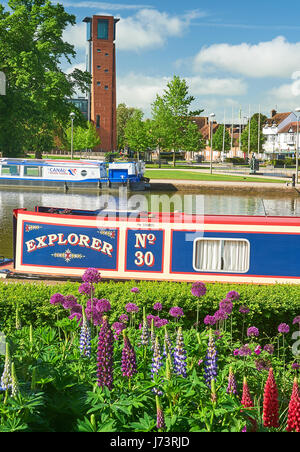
column 221, row 139
column 124, row 113
column 256, row 136
column 35, row 107
column 269, row 305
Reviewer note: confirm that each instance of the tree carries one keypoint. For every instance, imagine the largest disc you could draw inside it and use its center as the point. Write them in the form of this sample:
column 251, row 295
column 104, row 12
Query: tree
column 136, row 133
column 257, row 138
column 221, row 139
column 83, row 137
column 172, row 110
column 124, row 113
column 31, row 50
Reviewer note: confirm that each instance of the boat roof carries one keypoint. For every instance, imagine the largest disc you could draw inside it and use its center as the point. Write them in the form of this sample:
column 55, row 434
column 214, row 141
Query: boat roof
column 165, row 218
column 49, row 162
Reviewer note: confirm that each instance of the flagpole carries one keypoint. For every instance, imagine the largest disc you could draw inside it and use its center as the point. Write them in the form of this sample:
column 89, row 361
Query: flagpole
column 258, row 133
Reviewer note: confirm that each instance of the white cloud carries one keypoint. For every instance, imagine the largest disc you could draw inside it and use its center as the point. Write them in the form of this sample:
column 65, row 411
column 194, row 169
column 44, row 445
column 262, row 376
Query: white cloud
column 146, row 29
column 139, row 91
column 76, row 35
column 276, row 58
column 217, row 86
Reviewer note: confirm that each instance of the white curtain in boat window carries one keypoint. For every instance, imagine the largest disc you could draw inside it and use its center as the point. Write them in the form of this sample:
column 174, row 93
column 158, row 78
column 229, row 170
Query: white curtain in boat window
column 208, row 255
column 221, row 255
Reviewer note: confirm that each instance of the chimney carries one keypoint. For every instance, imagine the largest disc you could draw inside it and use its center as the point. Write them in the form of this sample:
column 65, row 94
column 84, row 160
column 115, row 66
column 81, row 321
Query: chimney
column 273, row 113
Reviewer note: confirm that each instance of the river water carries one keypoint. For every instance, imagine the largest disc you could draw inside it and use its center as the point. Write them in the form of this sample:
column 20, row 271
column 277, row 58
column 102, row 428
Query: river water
column 218, row 204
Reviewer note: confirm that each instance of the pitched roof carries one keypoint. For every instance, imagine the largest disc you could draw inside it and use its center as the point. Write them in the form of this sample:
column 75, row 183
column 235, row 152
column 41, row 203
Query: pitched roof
column 277, row 119
column 288, row 127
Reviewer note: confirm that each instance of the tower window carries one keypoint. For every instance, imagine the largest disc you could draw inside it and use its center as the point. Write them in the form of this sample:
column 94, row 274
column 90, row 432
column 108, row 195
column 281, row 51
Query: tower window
column 99, row 50
column 98, row 121
column 106, row 87
column 105, row 70
column 98, row 67
column 102, row 29
column 98, row 83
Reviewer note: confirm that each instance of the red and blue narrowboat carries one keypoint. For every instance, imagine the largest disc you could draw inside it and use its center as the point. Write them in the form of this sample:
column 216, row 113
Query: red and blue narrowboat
column 60, row 243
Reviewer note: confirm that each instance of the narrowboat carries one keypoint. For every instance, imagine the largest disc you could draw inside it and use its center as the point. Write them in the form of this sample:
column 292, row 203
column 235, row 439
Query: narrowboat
column 71, row 174
column 53, row 242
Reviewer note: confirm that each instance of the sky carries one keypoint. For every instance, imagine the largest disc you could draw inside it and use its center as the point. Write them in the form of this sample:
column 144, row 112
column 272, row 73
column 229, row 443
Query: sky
column 235, row 56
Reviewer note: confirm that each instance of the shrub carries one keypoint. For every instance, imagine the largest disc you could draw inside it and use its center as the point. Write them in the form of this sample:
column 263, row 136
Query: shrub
column 269, row 305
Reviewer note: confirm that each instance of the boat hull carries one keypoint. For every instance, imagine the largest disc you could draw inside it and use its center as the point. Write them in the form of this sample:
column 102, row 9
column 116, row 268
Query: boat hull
column 157, row 247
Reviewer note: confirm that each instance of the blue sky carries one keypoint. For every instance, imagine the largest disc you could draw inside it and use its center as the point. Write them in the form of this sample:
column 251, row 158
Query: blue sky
column 233, row 54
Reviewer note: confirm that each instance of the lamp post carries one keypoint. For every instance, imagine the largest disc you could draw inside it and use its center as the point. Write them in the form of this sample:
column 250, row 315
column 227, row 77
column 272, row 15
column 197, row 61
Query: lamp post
column 297, row 110
column 72, row 116
column 211, row 117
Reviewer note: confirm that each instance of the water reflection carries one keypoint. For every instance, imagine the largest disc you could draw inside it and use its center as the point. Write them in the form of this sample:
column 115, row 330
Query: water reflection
column 211, row 203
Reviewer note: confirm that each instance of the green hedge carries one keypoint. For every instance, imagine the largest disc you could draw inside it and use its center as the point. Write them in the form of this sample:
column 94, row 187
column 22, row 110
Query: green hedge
column 270, row 305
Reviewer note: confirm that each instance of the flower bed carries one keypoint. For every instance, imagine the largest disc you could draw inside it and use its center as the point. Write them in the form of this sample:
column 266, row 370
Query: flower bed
column 194, row 360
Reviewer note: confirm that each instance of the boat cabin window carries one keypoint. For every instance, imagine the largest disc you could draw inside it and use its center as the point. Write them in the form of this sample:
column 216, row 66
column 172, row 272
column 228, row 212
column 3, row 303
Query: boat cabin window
column 222, row 255
column 32, row 171
column 10, row 170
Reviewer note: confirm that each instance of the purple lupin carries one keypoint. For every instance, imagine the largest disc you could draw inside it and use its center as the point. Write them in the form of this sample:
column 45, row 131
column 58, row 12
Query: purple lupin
column 105, row 355
column 129, row 367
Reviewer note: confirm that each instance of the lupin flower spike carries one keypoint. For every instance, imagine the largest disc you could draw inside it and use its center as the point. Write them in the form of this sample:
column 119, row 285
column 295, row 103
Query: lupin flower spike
column 211, row 367
column 180, row 355
column 105, row 355
column 85, row 336
column 231, row 388
column 129, row 367
column 293, row 422
column 145, row 331
column 270, row 403
column 14, row 383
column 160, row 419
column 246, row 397
column 6, row 379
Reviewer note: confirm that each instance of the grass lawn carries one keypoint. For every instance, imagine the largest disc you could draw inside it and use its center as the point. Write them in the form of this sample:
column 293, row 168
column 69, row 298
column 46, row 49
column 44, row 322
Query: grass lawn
column 191, row 175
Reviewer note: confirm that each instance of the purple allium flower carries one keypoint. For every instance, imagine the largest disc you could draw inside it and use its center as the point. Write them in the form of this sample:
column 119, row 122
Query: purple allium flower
column 253, row 331
column 105, row 355
column 129, row 367
column 160, row 420
column 176, row 312
column 198, row 289
column 283, row 328
column 220, row 315
column 245, row 350
column 180, row 355
column 86, row 288
column 211, row 367
column 75, row 315
column 85, row 337
column 232, row 295
column 269, row 348
column 231, row 388
column 295, row 366
column 131, row 307
column 69, row 301
column 103, row 305
column 135, row 290
column 262, row 364
column 157, row 307
column 160, row 322
column 244, row 310
column 57, row 298
column 296, row 320
column 209, row 320
column 91, row 275
column 226, row 306
column 124, row 318
column 118, row 327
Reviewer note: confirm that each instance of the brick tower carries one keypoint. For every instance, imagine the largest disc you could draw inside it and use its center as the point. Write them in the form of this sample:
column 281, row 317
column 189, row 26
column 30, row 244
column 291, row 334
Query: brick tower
column 102, row 66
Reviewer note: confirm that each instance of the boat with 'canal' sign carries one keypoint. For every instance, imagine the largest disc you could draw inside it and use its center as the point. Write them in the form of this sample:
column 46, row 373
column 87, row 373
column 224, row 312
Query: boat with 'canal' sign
column 71, row 174
column 53, row 242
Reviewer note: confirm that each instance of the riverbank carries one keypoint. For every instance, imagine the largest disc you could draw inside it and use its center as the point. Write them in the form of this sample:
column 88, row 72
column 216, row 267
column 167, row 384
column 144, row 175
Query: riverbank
column 226, row 187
